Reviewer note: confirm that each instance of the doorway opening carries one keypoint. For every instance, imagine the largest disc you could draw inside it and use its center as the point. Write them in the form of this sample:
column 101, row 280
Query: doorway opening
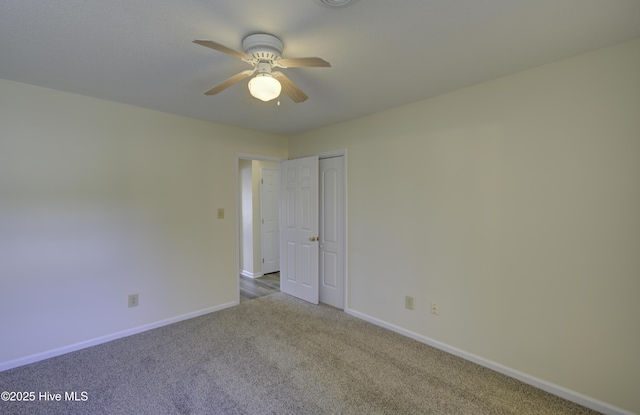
column 258, row 242
column 257, row 227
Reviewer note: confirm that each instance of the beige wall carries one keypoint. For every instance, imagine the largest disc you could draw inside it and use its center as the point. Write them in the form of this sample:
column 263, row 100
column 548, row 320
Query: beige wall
column 514, row 204
column 99, row 200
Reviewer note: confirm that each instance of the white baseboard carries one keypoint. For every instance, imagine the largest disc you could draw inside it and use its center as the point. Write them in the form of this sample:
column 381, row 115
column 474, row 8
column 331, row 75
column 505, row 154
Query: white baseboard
column 94, row 342
column 560, row 391
column 251, row 274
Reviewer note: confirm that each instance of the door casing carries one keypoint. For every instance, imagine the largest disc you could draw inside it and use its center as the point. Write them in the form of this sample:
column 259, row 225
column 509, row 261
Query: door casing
column 250, row 156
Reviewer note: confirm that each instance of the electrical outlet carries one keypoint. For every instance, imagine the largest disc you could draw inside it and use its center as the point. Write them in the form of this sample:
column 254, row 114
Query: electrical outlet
column 408, row 302
column 133, row 300
column 435, row 308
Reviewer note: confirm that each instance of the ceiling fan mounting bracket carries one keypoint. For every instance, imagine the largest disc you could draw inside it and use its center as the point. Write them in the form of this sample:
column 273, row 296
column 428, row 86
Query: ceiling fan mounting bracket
column 263, row 68
column 263, row 47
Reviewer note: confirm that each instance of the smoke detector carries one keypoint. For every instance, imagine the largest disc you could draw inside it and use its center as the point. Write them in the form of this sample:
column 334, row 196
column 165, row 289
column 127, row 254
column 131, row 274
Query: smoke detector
column 334, row 4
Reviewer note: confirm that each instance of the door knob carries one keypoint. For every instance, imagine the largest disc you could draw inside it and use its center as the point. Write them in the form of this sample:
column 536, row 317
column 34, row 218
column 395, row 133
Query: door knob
column 314, row 238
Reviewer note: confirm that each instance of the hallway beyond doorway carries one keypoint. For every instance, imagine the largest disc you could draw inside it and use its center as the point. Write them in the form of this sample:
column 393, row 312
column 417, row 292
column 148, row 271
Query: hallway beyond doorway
column 252, row 288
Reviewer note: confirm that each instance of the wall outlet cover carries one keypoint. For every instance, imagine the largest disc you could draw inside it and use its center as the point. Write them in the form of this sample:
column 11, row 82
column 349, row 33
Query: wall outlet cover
column 435, row 308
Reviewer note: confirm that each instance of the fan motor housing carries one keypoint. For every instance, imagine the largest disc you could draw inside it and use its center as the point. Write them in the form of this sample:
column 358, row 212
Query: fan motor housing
column 263, row 46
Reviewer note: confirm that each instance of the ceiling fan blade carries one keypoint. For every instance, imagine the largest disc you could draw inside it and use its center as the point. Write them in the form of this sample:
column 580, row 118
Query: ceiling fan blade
column 221, row 48
column 234, row 79
column 290, row 88
column 303, row 63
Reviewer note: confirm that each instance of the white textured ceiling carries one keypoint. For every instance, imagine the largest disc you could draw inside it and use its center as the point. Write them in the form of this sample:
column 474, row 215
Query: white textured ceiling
column 384, row 53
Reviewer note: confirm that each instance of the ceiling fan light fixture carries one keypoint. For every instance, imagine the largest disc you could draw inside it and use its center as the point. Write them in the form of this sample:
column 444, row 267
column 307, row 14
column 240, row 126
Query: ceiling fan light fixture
column 264, row 87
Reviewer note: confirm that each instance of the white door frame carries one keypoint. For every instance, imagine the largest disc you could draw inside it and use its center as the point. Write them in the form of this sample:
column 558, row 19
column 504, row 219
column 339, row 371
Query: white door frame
column 238, row 207
column 238, row 204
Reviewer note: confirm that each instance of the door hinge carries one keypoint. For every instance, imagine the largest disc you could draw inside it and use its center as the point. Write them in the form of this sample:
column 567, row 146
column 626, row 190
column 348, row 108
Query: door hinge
column 262, row 181
column 263, row 260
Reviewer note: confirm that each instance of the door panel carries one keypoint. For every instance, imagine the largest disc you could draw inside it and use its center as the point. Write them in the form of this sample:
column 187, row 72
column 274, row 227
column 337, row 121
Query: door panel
column 299, row 230
column 306, row 210
column 330, row 268
column 332, row 231
column 291, row 263
column 291, row 208
column 305, row 264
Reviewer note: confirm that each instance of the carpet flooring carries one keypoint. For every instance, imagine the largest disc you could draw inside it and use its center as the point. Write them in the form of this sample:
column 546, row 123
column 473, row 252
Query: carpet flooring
column 273, row 355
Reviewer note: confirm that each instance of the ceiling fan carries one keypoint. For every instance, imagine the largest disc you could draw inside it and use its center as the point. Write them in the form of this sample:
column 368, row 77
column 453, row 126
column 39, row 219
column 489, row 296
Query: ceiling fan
column 264, row 52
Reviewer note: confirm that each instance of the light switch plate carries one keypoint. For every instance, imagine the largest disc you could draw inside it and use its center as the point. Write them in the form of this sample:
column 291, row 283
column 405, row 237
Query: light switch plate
column 408, row 302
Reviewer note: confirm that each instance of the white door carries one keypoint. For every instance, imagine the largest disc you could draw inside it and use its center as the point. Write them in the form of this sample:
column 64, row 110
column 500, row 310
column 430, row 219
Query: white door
column 270, row 223
column 331, row 271
column 299, row 228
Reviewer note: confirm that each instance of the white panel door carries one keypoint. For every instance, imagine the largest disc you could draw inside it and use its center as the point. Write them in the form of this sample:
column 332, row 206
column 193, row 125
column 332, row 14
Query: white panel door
column 331, row 272
column 270, row 222
column 299, row 228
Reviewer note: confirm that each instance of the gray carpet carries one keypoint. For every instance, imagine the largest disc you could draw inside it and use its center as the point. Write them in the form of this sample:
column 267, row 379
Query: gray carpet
column 273, row 355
